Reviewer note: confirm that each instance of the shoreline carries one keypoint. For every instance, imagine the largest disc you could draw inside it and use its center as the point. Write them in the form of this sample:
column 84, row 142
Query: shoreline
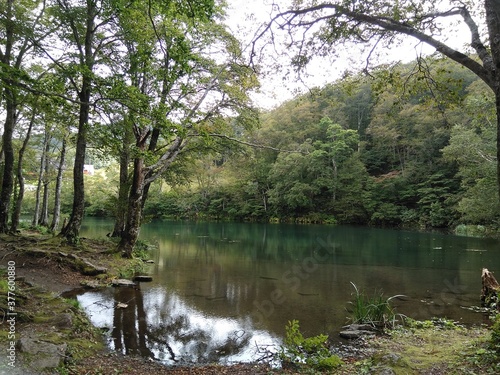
column 45, row 268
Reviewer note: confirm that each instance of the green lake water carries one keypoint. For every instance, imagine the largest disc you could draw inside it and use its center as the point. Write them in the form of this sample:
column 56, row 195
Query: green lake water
column 224, row 291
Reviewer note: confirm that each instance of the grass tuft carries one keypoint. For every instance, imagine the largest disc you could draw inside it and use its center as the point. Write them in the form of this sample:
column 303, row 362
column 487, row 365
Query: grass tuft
column 375, row 310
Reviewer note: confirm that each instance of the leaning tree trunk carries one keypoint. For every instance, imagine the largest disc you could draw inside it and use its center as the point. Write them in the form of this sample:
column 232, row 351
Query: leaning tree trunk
column 490, row 290
column 134, row 210
column 155, row 135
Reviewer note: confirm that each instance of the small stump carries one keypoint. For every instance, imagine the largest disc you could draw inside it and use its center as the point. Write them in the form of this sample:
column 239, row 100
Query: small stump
column 489, row 291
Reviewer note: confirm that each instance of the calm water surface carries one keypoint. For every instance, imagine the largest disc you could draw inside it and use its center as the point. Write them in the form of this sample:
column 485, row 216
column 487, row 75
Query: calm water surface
column 221, row 290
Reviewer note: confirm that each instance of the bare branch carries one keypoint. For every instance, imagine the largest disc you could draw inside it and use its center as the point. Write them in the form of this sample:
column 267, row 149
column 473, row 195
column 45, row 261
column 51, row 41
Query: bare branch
column 388, row 24
column 254, row 145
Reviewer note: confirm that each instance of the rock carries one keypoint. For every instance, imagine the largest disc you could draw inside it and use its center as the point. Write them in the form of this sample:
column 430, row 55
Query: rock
column 391, row 358
column 63, row 321
column 92, row 284
column 92, row 270
column 43, row 355
column 85, row 267
column 143, row 278
column 122, row 282
column 355, row 331
column 355, row 334
column 363, row 327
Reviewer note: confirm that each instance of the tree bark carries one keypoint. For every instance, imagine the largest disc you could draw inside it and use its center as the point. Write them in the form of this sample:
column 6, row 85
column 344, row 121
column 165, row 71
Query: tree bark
column 489, row 291
column 492, row 8
column 57, row 200
column 72, row 229
column 10, row 121
column 41, row 177
column 8, row 152
column 134, row 210
column 124, row 187
column 44, row 217
column 16, row 214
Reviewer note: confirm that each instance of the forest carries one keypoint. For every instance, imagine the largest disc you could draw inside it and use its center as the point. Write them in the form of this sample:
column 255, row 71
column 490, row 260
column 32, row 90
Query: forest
column 418, row 155
column 140, row 110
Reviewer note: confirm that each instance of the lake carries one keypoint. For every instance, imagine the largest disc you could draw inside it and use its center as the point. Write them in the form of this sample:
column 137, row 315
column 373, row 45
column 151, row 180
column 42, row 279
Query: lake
column 223, row 292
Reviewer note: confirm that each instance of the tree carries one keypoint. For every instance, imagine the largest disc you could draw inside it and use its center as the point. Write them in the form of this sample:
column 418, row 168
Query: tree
column 315, row 29
column 21, row 28
column 16, row 213
column 86, row 28
column 472, row 147
column 177, row 97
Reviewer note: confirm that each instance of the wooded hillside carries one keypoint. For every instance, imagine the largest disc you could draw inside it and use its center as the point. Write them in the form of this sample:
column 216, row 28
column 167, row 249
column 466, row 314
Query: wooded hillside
column 396, row 149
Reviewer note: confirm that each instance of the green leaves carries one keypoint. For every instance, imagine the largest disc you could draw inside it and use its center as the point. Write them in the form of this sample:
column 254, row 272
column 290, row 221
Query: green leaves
column 310, row 352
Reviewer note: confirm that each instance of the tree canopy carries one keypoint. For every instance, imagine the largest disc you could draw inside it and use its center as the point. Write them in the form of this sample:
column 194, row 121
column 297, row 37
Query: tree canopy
column 315, row 28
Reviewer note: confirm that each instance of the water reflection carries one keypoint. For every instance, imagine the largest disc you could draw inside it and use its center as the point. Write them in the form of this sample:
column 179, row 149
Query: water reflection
column 162, row 326
column 220, row 288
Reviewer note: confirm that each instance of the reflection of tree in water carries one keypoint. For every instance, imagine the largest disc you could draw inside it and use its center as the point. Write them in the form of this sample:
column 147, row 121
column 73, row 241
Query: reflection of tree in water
column 129, row 324
column 174, row 338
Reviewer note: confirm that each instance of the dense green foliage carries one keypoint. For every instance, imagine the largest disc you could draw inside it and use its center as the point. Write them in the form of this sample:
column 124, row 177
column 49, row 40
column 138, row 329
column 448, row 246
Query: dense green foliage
column 410, row 152
column 310, row 352
column 393, row 150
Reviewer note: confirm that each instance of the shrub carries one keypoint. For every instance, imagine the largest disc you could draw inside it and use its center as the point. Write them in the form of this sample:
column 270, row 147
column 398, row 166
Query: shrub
column 495, row 334
column 376, row 310
column 311, row 352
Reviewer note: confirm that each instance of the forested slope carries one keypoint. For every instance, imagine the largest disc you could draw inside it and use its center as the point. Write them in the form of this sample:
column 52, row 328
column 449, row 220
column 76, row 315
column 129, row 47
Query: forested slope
column 398, row 148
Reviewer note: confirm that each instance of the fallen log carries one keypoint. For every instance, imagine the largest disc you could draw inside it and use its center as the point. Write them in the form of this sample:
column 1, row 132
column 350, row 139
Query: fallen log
column 490, row 290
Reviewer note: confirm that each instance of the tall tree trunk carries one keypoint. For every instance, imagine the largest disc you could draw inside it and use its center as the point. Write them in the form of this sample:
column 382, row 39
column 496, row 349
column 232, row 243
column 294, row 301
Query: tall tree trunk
column 152, row 147
column 16, row 213
column 492, row 8
column 8, row 152
column 10, row 119
column 134, row 210
column 72, row 229
column 44, row 217
column 41, row 176
column 124, row 187
column 57, row 200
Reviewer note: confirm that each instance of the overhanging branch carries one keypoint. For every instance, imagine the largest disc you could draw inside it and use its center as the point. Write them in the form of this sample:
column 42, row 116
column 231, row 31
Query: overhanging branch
column 253, row 145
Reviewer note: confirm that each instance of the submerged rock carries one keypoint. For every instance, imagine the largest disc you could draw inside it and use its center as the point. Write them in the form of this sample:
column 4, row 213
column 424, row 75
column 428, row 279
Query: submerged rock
column 122, row 282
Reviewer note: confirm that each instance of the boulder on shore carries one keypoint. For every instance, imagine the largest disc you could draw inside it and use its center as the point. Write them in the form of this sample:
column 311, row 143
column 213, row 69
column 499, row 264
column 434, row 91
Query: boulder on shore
column 355, row 331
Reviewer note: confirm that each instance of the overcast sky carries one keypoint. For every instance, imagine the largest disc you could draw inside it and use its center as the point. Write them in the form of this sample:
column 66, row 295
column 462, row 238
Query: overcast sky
column 245, row 16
